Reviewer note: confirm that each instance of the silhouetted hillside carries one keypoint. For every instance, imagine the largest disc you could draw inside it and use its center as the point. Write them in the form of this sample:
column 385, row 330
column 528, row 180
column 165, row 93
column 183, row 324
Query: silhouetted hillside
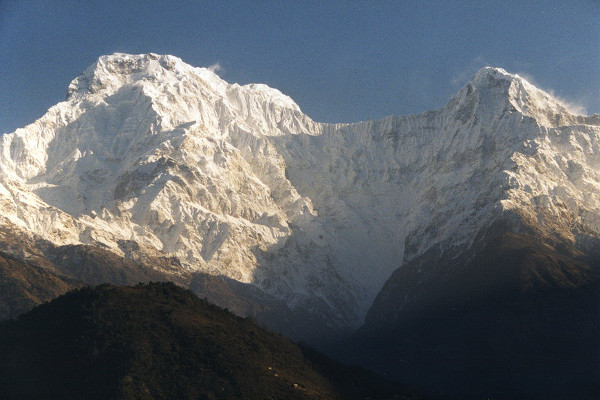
column 159, row 341
column 518, row 320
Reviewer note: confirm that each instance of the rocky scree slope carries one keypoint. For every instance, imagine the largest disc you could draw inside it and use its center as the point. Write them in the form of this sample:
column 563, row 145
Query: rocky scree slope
column 150, row 157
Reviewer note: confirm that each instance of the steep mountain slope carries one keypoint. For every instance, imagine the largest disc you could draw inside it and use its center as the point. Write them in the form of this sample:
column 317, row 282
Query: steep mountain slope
column 158, row 341
column 515, row 317
column 508, row 306
column 149, row 157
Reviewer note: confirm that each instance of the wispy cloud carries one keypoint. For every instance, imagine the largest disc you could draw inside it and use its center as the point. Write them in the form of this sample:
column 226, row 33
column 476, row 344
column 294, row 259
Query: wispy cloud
column 216, row 67
column 463, row 75
column 574, row 107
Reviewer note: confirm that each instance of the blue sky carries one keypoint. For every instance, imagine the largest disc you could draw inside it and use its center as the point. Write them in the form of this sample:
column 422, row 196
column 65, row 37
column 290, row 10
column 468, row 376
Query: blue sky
column 341, row 61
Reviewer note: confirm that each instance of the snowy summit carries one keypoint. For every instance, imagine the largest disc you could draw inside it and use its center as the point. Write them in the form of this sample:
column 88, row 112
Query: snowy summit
column 149, row 155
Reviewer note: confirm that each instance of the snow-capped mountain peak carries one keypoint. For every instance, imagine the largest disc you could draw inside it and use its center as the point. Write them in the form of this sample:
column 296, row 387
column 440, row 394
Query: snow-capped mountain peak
column 496, row 91
column 111, row 72
column 235, row 180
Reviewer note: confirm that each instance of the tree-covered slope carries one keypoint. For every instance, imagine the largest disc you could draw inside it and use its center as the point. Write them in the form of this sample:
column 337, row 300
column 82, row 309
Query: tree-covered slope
column 159, row 341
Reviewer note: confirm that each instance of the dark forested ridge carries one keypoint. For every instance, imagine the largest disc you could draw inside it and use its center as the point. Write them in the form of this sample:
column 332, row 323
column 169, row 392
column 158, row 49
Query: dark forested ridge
column 159, row 341
column 34, row 271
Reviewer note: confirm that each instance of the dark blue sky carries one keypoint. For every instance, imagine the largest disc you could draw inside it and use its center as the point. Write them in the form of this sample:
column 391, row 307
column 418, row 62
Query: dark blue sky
column 341, row 61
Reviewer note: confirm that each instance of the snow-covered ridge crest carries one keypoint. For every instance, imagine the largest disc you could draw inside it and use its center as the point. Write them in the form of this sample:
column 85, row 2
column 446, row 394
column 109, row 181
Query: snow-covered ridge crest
column 111, row 72
column 236, row 180
column 525, row 97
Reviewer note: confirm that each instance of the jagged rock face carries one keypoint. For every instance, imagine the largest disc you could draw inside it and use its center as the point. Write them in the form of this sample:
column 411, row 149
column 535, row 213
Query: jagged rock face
column 149, row 155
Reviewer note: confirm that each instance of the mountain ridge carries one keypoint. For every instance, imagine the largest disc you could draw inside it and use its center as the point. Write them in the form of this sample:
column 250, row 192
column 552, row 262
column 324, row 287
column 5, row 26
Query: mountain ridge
column 516, row 317
column 235, row 180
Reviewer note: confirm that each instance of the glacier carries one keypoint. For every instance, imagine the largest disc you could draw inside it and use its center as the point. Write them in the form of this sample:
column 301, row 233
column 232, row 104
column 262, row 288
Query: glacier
column 235, row 180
